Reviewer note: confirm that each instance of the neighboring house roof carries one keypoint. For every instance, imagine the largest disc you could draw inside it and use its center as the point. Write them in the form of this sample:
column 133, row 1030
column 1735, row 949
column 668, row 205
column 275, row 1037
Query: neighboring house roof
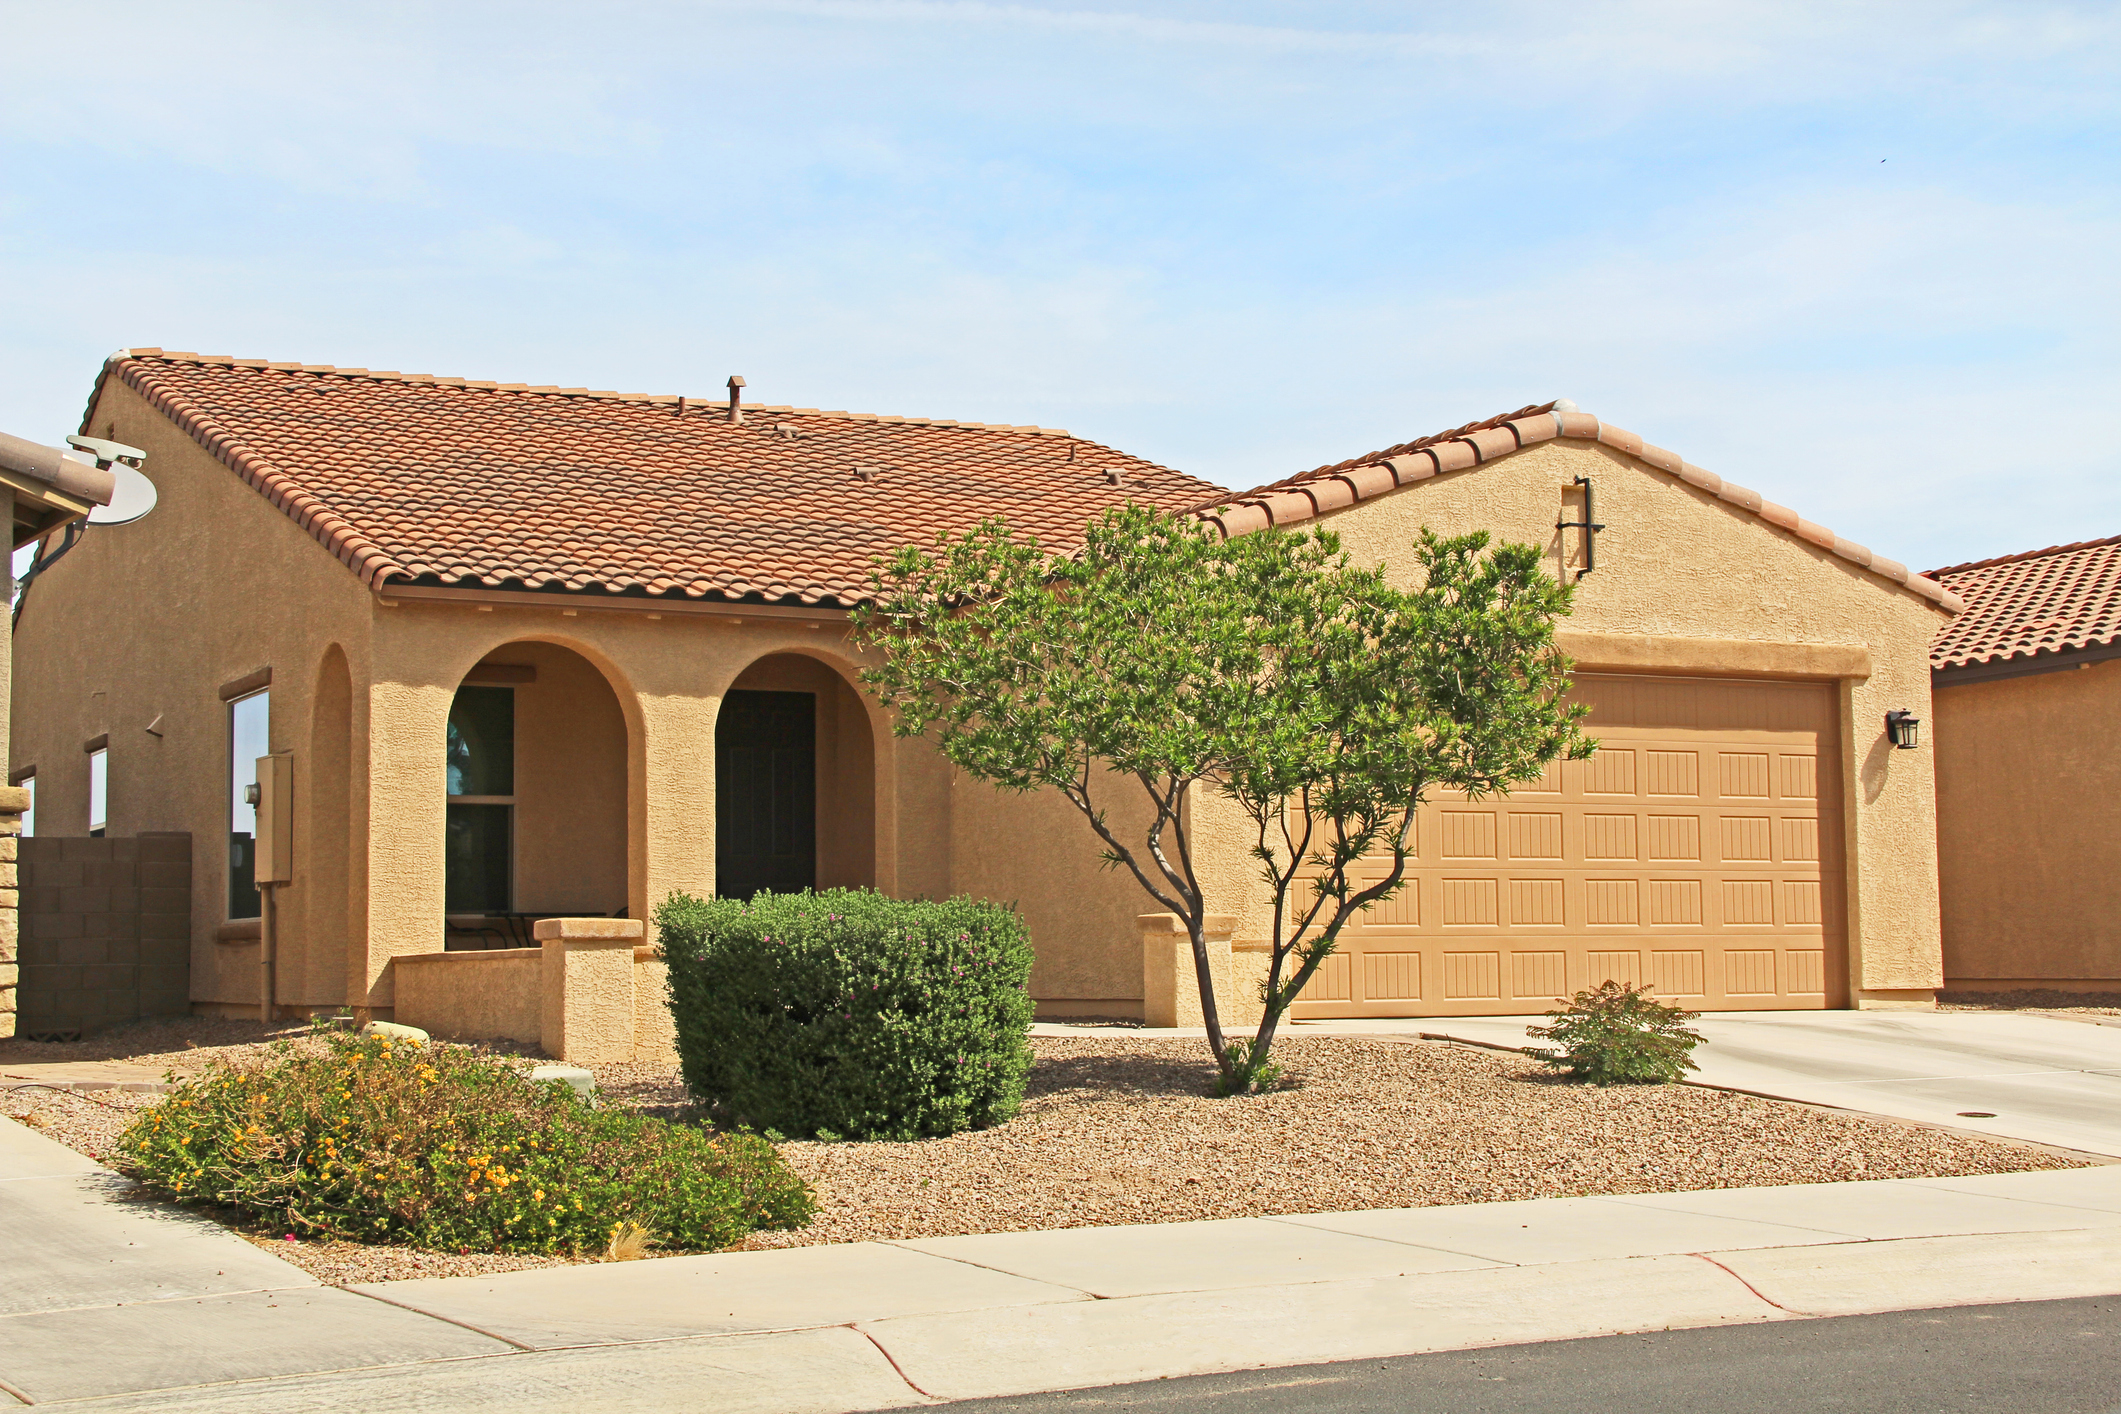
column 1328, row 488
column 450, row 481
column 82, row 481
column 2061, row 599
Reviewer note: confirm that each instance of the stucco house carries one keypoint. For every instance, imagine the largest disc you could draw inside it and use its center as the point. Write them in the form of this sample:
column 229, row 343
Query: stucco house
column 2024, row 683
column 536, row 651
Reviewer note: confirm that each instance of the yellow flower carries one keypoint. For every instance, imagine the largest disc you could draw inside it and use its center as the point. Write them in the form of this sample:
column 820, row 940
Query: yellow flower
column 539, row 1195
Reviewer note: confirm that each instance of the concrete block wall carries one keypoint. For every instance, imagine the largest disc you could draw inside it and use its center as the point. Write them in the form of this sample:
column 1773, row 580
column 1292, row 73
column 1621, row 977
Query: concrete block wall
column 106, row 932
column 13, row 801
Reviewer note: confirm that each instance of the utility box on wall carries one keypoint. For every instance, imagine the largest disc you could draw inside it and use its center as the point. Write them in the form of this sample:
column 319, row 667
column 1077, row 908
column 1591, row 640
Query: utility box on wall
column 106, row 932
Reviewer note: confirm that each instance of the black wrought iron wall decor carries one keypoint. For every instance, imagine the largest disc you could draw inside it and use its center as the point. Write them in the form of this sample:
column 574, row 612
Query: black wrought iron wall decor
column 1588, row 525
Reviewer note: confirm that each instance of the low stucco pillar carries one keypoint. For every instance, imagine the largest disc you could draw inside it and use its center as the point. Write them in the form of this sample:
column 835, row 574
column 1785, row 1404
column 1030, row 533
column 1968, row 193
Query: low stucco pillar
column 1170, row 985
column 586, row 976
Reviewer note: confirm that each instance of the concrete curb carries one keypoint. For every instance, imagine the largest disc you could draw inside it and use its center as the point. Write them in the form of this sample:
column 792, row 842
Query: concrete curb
column 88, row 1086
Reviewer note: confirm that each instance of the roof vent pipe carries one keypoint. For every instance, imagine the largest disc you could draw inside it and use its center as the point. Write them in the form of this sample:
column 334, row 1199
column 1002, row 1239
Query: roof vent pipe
column 736, row 397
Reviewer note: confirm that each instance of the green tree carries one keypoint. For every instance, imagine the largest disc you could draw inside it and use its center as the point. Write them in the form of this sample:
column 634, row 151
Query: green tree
column 1161, row 658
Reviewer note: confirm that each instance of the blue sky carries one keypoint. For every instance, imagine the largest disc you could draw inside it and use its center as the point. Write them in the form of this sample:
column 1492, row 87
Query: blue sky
column 1864, row 258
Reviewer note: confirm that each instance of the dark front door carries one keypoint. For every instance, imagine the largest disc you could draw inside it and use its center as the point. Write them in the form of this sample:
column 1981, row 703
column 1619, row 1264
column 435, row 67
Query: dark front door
column 765, row 793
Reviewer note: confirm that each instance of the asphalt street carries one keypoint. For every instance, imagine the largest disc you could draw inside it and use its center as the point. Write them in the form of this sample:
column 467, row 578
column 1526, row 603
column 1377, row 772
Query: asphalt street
column 2047, row 1357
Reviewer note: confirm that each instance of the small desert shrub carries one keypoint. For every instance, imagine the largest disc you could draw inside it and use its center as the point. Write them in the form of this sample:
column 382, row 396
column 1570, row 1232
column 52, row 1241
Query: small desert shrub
column 1616, row 1035
column 847, row 1014
column 381, row 1141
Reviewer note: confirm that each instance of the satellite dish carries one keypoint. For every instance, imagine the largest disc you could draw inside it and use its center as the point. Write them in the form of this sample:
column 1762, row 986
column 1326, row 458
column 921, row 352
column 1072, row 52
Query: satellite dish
column 133, row 498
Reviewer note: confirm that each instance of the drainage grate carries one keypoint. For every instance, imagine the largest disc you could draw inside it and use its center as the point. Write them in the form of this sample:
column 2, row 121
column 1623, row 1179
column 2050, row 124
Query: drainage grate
column 1975, row 1114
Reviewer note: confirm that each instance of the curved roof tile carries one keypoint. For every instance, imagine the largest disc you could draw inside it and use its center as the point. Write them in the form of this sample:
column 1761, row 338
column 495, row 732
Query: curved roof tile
column 2063, row 598
column 459, row 482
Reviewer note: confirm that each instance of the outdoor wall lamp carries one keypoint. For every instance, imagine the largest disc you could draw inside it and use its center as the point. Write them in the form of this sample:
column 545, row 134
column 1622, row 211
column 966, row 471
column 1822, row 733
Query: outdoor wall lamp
column 1904, row 727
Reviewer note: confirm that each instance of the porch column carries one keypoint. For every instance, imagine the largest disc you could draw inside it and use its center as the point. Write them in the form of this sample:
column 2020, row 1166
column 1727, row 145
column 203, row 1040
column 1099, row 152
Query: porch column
column 673, row 795
column 407, row 824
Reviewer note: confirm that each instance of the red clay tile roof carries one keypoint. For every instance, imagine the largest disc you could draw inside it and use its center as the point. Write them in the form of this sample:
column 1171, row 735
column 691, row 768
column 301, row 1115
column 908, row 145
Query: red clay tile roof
column 2038, row 601
column 1344, row 483
column 461, row 483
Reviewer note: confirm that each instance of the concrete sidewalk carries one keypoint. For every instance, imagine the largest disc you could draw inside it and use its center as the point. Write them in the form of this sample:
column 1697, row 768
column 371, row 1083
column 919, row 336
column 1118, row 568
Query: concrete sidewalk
column 118, row 1304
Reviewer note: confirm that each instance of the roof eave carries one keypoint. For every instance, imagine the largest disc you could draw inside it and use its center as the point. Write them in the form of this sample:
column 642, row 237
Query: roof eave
column 392, row 592
column 2020, row 665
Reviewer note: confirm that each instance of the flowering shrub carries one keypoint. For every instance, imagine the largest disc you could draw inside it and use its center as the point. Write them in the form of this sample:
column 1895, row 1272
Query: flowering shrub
column 383, row 1141
column 847, row 1014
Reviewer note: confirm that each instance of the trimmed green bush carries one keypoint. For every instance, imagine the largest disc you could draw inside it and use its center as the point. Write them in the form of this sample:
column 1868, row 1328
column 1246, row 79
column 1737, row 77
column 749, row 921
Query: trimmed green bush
column 382, row 1141
column 1615, row 1035
column 847, row 1014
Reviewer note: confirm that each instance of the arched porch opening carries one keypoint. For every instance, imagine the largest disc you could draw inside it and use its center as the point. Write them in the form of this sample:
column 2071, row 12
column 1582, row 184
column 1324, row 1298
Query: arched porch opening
column 795, row 781
column 537, row 796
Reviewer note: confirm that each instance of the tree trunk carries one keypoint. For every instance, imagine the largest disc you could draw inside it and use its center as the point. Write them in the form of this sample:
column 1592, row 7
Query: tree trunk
column 1204, row 977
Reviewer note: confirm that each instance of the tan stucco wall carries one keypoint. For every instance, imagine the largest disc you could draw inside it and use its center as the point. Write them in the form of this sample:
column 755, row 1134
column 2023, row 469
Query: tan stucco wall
column 148, row 620
column 2029, row 828
column 1038, row 853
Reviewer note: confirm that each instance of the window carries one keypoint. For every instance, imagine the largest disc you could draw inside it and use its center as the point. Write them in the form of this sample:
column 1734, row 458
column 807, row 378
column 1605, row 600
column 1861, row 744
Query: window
column 249, row 737
column 480, row 845
column 98, row 790
column 29, row 816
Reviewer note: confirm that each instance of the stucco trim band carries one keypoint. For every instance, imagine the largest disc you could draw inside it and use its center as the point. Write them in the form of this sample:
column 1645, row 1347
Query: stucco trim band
column 1733, row 657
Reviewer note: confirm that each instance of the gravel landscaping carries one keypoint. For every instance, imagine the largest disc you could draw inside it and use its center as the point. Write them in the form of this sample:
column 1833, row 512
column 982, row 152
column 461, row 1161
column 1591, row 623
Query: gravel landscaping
column 180, row 1043
column 1119, row 1128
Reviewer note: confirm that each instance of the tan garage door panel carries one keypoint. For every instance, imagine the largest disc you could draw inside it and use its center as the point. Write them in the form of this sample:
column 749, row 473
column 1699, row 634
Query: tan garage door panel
column 1698, row 850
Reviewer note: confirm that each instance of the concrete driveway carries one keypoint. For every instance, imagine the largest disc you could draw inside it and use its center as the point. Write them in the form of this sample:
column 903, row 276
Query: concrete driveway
column 2040, row 1078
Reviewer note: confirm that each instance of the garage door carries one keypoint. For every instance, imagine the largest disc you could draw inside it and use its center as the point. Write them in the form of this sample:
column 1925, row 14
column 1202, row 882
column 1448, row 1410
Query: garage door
column 1698, row 850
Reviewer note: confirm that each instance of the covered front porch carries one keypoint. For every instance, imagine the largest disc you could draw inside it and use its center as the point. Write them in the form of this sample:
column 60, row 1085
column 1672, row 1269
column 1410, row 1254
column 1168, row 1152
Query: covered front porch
column 585, row 776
